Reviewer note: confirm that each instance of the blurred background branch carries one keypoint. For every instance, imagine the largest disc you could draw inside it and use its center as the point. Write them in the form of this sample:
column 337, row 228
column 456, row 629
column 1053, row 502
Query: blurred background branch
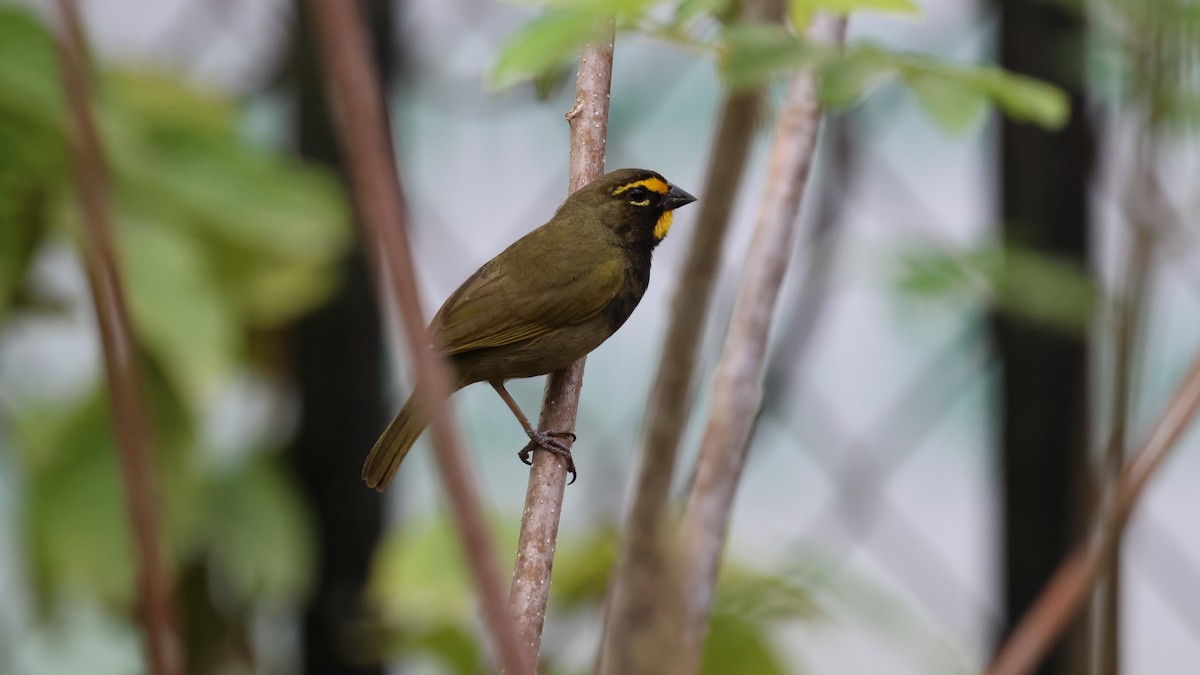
column 362, row 118
column 164, row 649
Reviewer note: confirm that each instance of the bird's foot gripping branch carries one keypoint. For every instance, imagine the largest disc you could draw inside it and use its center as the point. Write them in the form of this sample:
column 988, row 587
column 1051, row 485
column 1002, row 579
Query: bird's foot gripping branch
column 545, row 441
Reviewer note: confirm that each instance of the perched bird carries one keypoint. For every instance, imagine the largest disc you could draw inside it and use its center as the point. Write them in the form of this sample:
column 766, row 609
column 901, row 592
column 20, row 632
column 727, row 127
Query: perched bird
column 544, row 302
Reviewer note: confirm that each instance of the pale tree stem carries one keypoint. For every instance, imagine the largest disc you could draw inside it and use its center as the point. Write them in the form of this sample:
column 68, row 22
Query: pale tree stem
column 530, row 591
column 164, row 649
column 737, row 385
column 360, row 112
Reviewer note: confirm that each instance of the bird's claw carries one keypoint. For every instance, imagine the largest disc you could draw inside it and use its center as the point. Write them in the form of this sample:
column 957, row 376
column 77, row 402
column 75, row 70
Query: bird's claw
column 545, row 440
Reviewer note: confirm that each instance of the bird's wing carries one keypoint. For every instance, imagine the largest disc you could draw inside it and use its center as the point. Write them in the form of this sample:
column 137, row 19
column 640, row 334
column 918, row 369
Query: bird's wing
column 494, row 308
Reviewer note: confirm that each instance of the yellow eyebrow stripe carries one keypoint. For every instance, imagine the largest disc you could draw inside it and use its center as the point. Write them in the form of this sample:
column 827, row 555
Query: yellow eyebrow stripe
column 652, row 184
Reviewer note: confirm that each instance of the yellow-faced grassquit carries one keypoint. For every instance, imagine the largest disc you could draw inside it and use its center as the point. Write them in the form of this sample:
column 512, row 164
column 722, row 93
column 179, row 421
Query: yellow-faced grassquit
column 544, row 302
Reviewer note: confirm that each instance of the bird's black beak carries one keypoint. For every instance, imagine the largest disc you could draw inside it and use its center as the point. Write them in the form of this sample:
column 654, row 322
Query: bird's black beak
column 676, row 198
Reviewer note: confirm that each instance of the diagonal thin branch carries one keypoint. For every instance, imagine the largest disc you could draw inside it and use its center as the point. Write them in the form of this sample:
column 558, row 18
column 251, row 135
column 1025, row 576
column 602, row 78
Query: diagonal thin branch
column 548, row 477
column 366, row 141
column 737, row 387
column 1068, row 589
column 164, row 649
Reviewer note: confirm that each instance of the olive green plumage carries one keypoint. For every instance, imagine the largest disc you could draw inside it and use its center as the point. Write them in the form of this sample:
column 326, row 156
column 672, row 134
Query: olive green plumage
column 547, row 300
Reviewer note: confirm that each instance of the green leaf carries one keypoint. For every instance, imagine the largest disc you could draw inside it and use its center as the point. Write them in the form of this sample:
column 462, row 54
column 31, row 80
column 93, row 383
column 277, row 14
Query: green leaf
column 18, row 239
column 33, row 165
column 953, row 104
column 272, row 228
column 543, row 45
column 754, row 53
column 180, row 155
column 1026, row 99
column 454, row 645
column 764, row 597
column 1046, row 289
column 800, row 11
column 689, row 10
column 77, row 523
column 548, row 84
column 736, row 645
column 846, row 78
column 177, row 305
column 949, row 92
column 1041, row 288
column 28, row 70
column 78, row 537
column 418, row 578
column 258, row 533
column 582, row 569
column 603, row 7
column 936, row 275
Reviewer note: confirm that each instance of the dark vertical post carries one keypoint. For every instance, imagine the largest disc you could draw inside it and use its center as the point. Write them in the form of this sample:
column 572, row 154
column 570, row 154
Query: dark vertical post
column 337, row 357
column 1043, row 441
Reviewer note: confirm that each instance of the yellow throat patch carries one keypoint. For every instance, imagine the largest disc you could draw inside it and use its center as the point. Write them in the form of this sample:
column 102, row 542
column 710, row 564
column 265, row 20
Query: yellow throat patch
column 663, row 225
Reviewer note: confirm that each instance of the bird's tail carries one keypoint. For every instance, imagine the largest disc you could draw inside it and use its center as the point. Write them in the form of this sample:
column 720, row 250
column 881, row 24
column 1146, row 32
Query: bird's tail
column 395, row 442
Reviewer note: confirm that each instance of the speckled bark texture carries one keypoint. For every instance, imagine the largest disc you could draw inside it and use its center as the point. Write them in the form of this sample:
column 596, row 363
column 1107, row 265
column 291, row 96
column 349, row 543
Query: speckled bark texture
column 548, row 476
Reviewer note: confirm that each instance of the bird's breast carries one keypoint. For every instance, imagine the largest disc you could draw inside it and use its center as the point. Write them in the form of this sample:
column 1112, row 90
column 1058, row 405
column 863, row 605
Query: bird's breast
column 637, row 279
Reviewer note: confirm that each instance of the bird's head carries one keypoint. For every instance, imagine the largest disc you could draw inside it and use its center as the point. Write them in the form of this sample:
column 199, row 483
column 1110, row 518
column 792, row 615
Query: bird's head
column 637, row 204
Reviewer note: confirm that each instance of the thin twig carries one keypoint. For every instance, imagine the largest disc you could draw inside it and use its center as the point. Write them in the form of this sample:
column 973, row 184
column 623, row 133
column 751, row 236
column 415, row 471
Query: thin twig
column 737, row 386
column 1128, row 312
column 548, row 477
column 1144, row 204
column 642, row 590
column 366, row 141
column 164, row 650
column 1067, row 590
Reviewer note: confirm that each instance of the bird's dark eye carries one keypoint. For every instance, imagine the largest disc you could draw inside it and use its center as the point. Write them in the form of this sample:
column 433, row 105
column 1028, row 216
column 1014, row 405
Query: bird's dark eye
column 638, row 194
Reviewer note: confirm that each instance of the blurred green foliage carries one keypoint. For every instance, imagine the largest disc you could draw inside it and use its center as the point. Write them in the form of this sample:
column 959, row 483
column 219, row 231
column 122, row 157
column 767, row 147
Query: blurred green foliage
column 220, row 242
column 954, row 95
column 422, row 597
column 800, row 12
column 422, row 600
column 1143, row 54
column 1050, row 291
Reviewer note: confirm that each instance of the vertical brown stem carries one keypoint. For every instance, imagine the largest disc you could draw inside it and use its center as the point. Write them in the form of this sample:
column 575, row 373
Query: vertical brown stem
column 548, row 477
column 366, row 141
column 1127, row 315
column 737, row 386
column 1144, row 205
column 164, row 651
